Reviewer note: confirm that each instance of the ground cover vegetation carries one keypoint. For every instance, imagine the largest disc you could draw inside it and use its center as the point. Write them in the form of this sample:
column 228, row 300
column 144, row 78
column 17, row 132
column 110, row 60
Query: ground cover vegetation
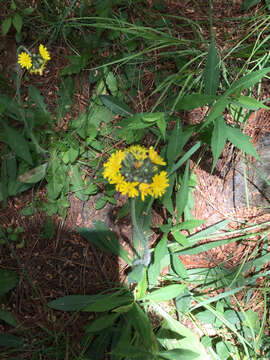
column 96, row 106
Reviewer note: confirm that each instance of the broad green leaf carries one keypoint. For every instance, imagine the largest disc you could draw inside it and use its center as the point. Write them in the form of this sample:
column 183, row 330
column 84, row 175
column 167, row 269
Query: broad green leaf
column 247, row 81
column 179, row 237
column 35, row 175
column 17, row 22
column 252, row 320
column 188, row 341
column 179, row 354
column 161, row 124
column 77, row 184
column 8, row 318
column 182, row 194
column 8, row 280
column 105, row 239
column 241, row 141
column 143, row 327
column 17, row 143
column 251, row 103
column 12, row 168
column 11, row 341
column 111, row 301
column 152, row 117
column 101, row 323
column 183, row 301
column 166, row 293
column 98, row 114
column 131, row 352
column 74, row 302
column 6, row 24
column 218, row 139
column 178, row 267
column 211, row 72
column 101, row 202
column 37, row 98
column 56, row 180
column 246, row 4
column 116, row 105
column 112, row 83
column 194, row 101
column 160, row 253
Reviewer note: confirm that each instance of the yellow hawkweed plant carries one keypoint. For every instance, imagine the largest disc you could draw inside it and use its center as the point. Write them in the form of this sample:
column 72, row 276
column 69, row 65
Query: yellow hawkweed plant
column 34, row 63
column 135, row 171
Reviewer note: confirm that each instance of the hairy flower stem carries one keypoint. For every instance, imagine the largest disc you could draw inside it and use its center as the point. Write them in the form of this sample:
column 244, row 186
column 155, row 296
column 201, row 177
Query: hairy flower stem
column 29, row 132
column 144, row 241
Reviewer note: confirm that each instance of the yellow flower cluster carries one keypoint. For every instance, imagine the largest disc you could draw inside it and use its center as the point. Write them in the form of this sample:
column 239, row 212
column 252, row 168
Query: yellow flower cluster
column 140, row 158
column 35, row 63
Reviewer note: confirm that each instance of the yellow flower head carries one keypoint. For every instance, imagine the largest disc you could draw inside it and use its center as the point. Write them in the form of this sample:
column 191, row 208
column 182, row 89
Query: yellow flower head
column 35, row 63
column 24, row 59
column 134, row 172
column 44, row 52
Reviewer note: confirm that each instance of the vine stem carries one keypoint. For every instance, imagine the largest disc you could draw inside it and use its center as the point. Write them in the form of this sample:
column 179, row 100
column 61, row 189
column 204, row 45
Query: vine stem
column 146, row 252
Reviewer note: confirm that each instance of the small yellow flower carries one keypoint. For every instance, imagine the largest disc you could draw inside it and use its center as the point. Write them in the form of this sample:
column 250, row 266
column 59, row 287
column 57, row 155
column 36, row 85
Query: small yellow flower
column 25, row 60
column 145, row 189
column 159, row 184
column 134, row 172
column 155, row 157
column 44, row 52
column 129, row 188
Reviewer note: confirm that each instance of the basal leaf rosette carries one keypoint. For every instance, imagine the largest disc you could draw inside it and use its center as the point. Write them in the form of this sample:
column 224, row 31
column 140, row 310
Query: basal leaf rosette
column 135, row 171
column 34, row 63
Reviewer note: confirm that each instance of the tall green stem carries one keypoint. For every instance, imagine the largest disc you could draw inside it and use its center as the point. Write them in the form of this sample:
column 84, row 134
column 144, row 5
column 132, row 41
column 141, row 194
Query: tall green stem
column 144, row 241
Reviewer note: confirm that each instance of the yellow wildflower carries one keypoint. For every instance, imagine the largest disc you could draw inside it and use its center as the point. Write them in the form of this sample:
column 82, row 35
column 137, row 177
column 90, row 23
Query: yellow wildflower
column 134, row 172
column 24, row 59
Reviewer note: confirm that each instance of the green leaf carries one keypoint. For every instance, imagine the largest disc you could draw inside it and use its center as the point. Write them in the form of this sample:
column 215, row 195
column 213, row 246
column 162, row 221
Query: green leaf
column 246, row 4
column 161, row 251
column 101, row 202
column 183, row 301
column 218, row 139
column 247, row 81
column 8, row 318
column 179, row 237
column 194, row 101
column 137, row 274
column 179, row 267
column 6, row 24
column 216, row 111
column 105, row 239
column 112, row 83
column 35, row 175
column 161, row 124
column 77, row 184
column 182, row 194
column 101, row 323
column 251, row 103
column 74, row 302
column 11, row 341
column 8, row 280
column 211, row 72
column 38, row 99
column 17, row 22
column 116, row 105
column 132, row 352
column 179, row 354
column 241, row 141
column 166, row 293
column 17, row 143
column 142, row 325
column 174, row 144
